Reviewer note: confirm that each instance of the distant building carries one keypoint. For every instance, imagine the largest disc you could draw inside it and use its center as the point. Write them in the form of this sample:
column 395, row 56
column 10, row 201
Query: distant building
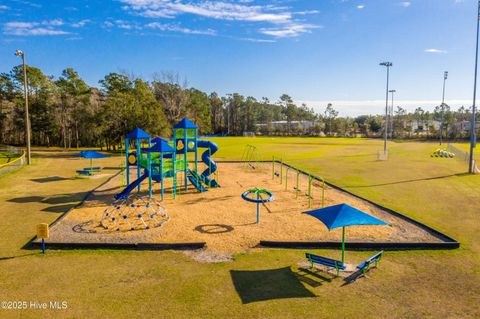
column 424, row 126
column 462, row 126
column 419, row 126
column 292, row 125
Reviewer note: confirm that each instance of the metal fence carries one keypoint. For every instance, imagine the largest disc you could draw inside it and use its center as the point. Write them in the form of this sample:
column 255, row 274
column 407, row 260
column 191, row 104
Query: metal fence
column 459, row 154
column 11, row 159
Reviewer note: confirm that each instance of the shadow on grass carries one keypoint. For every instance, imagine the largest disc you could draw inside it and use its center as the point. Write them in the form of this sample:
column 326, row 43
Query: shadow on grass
column 54, row 154
column 52, row 179
column 60, row 203
column 19, row 256
column 58, row 208
column 408, row 181
column 352, row 278
column 57, row 199
column 307, row 275
column 262, row 285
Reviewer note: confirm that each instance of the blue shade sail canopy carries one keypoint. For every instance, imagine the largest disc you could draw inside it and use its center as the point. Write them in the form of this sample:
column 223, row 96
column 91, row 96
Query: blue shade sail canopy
column 91, row 154
column 138, row 133
column 185, row 123
column 343, row 215
column 160, row 146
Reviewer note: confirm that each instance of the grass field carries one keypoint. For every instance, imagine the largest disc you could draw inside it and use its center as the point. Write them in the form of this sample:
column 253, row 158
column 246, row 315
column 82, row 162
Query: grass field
column 131, row 284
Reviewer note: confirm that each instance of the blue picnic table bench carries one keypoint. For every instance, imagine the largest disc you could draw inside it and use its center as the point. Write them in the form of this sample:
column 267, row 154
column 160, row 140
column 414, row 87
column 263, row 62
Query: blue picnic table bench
column 375, row 259
column 328, row 262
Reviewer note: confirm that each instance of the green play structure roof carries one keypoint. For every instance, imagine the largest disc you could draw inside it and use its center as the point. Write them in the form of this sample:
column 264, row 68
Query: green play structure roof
column 185, row 123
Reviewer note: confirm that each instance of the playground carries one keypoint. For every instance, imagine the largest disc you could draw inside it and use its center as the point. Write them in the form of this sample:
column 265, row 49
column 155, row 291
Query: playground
column 226, row 222
column 169, row 196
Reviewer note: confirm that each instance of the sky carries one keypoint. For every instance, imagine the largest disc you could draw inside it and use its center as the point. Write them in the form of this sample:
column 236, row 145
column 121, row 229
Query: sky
column 317, row 51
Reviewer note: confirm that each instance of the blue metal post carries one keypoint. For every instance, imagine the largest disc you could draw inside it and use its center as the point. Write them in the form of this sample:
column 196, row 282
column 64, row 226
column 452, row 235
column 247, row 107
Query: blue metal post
column 149, row 159
column 161, row 173
column 185, row 157
column 258, row 208
column 139, row 155
column 127, row 167
column 43, row 246
column 195, row 146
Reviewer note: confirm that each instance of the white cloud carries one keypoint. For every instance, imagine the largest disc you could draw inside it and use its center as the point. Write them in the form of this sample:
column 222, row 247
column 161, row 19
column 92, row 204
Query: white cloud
column 3, row 7
column 307, row 12
column 282, row 19
column 80, row 23
column 176, row 28
column 360, row 6
column 55, row 22
column 74, row 39
column 47, row 27
column 291, row 30
column 434, row 51
column 216, row 10
column 122, row 24
column 405, row 4
column 257, row 40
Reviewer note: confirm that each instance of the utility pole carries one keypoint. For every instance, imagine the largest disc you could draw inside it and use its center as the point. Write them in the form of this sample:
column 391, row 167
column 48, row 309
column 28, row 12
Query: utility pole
column 391, row 115
column 473, row 138
column 388, row 65
column 445, row 76
column 27, row 117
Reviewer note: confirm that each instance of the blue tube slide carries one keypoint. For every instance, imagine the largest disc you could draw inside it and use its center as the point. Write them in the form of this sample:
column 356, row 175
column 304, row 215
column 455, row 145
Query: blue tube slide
column 211, row 165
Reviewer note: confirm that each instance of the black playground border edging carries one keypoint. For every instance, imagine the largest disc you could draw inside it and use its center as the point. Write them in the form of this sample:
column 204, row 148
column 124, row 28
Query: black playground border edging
column 33, row 244
column 447, row 241
column 120, row 246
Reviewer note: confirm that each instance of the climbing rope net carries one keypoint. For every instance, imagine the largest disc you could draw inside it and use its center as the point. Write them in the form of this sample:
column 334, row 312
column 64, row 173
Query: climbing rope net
column 134, row 213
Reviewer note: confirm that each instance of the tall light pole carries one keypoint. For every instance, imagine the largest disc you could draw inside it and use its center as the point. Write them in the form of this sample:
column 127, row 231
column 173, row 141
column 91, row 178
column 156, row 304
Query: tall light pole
column 445, row 76
column 27, row 117
column 388, row 65
column 473, row 141
column 391, row 115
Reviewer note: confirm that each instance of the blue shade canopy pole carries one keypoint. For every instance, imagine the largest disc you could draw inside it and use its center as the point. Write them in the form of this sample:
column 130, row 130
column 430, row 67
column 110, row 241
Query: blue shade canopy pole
column 343, row 245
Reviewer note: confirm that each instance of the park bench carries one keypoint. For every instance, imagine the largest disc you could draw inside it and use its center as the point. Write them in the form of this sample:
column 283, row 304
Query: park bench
column 365, row 266
column 83, row 172
column 331, row 263
column 92, row 169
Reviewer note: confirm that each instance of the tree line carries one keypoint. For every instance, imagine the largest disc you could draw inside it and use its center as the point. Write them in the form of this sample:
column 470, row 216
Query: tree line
column 67, row 112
